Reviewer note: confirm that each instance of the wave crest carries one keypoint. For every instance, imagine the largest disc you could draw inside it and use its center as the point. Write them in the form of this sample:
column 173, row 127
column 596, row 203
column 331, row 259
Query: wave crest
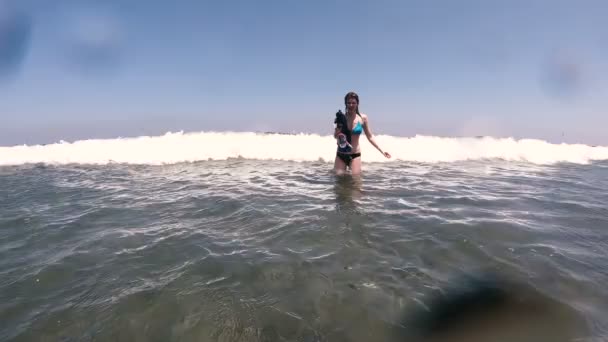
column 191, row 147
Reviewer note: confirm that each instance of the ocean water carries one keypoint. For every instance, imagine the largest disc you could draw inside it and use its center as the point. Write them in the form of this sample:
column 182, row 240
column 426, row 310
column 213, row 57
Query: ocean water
column 250, row 237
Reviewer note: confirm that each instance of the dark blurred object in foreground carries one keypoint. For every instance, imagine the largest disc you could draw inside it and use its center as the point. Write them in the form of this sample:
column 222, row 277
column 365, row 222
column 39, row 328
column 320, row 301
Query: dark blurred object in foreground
column 15, row 30
column 488, row 308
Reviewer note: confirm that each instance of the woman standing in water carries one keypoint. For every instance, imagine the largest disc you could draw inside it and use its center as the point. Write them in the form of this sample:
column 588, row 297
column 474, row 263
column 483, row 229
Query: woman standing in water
column 348, row 131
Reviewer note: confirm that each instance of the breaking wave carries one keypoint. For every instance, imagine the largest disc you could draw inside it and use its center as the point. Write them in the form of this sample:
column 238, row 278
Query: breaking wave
column 191, row 147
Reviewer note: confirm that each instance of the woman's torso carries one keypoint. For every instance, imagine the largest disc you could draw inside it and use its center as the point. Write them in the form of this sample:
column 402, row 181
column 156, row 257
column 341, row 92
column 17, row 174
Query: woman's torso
column 355, row 127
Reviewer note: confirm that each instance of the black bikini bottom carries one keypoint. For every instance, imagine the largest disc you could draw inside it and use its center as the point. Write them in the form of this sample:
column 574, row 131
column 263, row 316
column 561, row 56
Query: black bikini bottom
column 347, row 158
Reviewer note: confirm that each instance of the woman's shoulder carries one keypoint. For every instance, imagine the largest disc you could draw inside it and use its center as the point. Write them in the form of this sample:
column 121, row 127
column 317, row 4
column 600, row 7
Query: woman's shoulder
column 363, row 116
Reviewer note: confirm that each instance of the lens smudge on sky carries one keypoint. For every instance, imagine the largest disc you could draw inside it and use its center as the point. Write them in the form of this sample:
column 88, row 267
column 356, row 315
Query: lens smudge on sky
column 15, row 30
column 93, row 40
column 562, row 75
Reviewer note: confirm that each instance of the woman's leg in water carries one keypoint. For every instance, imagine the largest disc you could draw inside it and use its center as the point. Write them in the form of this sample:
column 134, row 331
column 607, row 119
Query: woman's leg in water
column 355, row 166
column 339, row 166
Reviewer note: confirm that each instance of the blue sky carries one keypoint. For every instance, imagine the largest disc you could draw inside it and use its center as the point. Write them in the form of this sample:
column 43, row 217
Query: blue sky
column 469, row 67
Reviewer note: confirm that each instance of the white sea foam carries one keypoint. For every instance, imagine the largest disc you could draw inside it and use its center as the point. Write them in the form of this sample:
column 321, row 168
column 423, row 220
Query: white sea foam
column 190, row 147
